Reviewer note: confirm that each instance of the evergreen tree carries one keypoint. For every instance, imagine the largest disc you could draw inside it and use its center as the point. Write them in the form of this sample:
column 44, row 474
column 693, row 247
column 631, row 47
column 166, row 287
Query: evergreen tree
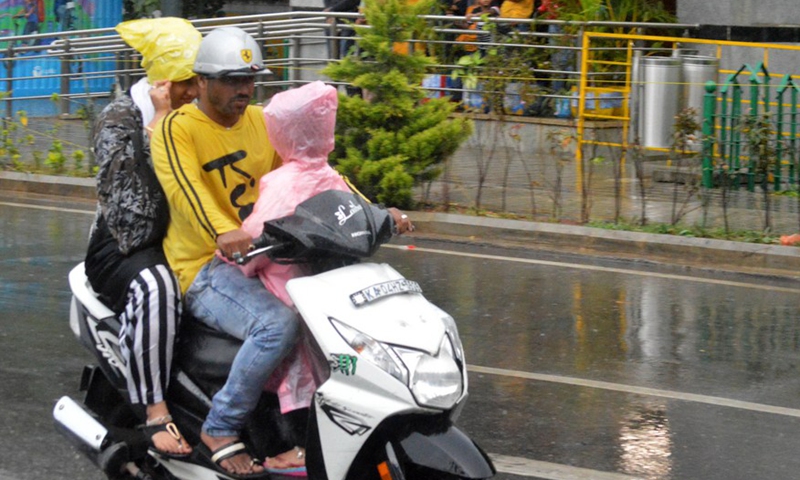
column 389, row 139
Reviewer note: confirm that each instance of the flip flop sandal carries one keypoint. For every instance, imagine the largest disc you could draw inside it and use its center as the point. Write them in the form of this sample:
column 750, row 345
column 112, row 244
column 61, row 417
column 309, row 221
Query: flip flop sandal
column 225, row 452
column 169, row 427
column 287, row 467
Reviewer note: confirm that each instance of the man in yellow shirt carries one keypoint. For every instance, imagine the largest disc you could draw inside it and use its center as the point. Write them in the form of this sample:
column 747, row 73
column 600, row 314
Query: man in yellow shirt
column 209, row 157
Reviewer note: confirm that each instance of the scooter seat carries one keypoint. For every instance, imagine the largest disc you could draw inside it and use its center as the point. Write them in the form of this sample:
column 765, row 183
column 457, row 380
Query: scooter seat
column 205, row 354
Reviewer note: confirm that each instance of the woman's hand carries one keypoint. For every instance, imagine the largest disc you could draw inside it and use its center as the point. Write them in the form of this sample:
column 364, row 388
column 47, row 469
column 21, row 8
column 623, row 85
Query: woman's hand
column 159, row 95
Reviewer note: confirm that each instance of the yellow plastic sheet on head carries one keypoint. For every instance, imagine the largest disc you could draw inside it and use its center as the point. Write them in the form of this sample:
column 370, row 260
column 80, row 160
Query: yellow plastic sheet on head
column 168, row 46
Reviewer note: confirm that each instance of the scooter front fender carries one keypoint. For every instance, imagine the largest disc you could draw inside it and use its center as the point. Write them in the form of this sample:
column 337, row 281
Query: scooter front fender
column 450, row 451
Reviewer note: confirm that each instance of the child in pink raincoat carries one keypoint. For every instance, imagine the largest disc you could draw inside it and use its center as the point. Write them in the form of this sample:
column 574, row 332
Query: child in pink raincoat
column 300, row 123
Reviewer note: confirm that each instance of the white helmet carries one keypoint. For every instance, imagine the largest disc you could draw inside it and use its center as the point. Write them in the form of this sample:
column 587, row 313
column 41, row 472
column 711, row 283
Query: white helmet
column 228, row 51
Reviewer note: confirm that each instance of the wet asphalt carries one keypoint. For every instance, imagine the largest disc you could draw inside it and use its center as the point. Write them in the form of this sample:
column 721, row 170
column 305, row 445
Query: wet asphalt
column 580, row 367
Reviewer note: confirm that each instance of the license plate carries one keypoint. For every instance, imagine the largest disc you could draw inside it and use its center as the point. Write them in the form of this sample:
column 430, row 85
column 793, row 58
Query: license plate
column 380, row 290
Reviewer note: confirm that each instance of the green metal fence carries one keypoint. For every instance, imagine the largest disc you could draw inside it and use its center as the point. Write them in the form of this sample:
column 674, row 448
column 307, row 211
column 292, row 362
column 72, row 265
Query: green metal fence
column 750, row 131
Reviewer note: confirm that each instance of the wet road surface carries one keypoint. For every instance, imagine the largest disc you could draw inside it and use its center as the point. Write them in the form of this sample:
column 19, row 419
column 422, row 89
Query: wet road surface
column 578, row 369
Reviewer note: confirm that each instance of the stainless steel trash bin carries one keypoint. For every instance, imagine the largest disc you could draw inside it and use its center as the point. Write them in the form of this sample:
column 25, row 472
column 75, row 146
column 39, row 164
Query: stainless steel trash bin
column 661, row 96
column 697, row 70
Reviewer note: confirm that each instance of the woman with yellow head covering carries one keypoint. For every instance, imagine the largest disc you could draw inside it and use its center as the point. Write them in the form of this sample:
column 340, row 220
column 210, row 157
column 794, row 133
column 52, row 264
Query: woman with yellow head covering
column 125, row 263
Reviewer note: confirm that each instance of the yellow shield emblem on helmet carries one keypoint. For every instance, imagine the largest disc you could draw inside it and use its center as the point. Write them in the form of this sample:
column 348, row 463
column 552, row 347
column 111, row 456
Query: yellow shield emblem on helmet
column 247, row 55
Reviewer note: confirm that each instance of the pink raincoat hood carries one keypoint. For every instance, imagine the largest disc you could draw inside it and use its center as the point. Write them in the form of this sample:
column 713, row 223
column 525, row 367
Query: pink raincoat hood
column 301, row 122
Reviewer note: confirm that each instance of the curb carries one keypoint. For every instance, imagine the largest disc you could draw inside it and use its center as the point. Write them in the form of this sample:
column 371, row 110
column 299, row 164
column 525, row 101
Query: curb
column 702, row 253
column 48, row 185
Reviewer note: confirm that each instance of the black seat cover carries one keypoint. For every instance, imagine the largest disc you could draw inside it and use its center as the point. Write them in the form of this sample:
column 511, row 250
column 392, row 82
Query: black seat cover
column 205, row 354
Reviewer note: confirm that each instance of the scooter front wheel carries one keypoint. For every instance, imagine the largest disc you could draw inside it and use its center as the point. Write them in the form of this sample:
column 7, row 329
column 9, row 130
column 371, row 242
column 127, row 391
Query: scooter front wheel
column 421, row 448
column 395, row 468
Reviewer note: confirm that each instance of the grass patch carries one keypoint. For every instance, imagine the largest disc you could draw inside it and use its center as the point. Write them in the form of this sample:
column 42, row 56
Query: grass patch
column 749, row 236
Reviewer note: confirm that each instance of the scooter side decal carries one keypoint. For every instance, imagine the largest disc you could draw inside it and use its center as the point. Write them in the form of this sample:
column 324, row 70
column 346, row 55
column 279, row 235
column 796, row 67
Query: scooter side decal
column 104, row 343
column 343, row 363
column 344, row 420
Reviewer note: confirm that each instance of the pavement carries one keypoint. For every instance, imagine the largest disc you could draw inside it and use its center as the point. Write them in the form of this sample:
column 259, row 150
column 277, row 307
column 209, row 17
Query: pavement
column 692, row 255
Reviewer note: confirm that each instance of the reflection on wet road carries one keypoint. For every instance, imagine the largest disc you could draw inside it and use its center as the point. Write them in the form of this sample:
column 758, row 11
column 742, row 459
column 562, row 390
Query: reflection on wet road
column 577, row 370
column 621, row 367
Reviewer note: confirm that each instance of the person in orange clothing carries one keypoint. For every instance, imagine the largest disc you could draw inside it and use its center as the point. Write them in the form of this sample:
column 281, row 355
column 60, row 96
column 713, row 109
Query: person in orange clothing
column 473, row 22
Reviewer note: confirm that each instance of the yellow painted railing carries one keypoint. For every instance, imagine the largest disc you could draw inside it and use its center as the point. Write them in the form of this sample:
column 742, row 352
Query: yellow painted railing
column 607, row 68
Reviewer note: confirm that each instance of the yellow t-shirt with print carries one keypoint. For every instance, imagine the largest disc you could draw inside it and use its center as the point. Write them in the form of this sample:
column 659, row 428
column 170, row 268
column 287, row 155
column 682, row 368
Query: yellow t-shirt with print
column 210, row 176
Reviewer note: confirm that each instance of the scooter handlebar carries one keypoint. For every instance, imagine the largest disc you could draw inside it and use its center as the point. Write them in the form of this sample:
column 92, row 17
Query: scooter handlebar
column 262, row 244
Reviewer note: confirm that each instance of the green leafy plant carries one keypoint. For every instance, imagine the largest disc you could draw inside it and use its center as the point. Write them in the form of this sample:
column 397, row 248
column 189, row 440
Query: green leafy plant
column 613, row 11
column 760, row 146
column 391, row 138
column 133, row 9
column 684, row 158
column 18, row 149
column 56, row 160
column 608, row 63
column 78, row 157
column 469, row 68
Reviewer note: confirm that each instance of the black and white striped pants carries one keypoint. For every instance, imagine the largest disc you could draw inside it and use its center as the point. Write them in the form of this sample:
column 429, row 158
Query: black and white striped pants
column 149, row 324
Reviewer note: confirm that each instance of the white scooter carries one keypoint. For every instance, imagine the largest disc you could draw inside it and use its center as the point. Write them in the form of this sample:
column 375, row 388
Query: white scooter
column 389, row 366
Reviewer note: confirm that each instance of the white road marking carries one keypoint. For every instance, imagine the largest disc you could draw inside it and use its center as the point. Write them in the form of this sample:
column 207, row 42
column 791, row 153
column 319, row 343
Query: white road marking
column 653, row 392
column 551, row 471
column 44, row 207
column 668, row 276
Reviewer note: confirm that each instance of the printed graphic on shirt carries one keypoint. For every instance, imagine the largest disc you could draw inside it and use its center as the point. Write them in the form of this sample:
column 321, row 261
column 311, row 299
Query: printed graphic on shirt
column 230, row 160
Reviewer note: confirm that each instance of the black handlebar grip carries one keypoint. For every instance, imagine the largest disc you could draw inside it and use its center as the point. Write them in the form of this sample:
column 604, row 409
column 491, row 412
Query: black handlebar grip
column 264, row 240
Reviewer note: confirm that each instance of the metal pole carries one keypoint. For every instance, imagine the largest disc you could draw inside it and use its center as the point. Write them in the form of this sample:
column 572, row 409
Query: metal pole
column 65, row 78
column 10, row 77
column 709, row 111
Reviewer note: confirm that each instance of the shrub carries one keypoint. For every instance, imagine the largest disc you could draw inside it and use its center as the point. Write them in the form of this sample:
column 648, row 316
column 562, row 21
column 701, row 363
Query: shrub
column 391, row 138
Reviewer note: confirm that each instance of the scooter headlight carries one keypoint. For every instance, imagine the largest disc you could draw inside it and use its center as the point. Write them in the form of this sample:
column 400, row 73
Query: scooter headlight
column 458, row 347
column 373, row 351
column 436, row 381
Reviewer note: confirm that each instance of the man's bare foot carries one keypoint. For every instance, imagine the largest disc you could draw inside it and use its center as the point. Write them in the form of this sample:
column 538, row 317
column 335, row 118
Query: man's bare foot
column 239, row 464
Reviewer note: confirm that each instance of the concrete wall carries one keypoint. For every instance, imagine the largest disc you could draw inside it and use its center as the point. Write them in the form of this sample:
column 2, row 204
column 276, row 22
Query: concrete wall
column 254, row 7
column 753, row 13
column 739, row 12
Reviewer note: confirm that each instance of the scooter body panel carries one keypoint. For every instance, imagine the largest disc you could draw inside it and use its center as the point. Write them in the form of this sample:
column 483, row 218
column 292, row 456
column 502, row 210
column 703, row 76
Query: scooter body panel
column 96, row 326
column 396, row 319
column 358, row 396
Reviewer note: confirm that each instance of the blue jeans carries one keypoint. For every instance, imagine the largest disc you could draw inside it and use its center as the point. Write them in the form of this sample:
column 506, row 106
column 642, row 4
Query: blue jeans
column 561, row 60
column 226, row 300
